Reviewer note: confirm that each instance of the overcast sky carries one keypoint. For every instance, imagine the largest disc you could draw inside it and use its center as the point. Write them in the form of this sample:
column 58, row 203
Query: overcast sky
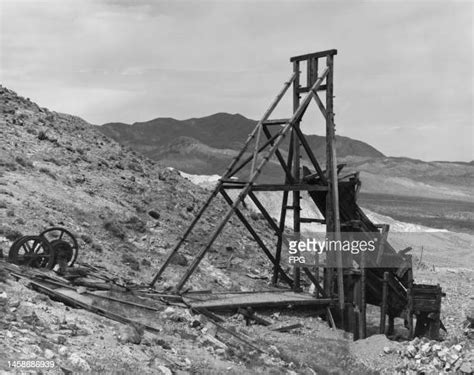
column 403, row 73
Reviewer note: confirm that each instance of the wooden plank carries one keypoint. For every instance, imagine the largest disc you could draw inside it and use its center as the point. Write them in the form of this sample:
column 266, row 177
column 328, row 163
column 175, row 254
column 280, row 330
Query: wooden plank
column 281, row 121
column 214, row 319
column 253, row 316
column 278, row 187
column 314, row 55
column 208, row 314
column 259, row 300
column 331, row 322
column 287, row 328
column 312, row 220
column 76, row 299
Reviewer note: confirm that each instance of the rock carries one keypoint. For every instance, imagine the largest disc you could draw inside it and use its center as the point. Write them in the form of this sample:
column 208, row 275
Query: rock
column 146, row 262
column 425, row 348
column 470, row 314
column 3, row 273
column 3, row 302
column 130, row 334
column 49, row 354
column 27, row 315
column 78, row 362
column 452, row 358
column 155, row 215
column 165, row 370
column 161, row 342
column 387, row 350
column 131, row 261
column 57, row 339
column 466, row 368
column 179, row 259
column 81, row 290
column 62, row 350
column 436, row 362
column 411, row 350
column 442, row 354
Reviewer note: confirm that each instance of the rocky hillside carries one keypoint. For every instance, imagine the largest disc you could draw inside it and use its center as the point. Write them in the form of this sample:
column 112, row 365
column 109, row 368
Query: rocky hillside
column 207, row 145
column 58, row 170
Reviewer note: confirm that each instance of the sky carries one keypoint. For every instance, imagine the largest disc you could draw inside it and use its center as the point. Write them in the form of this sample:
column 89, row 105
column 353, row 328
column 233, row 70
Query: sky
column 403, row 73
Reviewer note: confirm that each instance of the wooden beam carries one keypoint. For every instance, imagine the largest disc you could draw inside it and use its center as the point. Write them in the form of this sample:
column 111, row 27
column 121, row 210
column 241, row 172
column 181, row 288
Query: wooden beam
column 282, row 121
column 296, row 154
column 253, row 316
column 384, row 305
column 332, row 176
column 311, row 220
column 314, row 55
column 277, row 187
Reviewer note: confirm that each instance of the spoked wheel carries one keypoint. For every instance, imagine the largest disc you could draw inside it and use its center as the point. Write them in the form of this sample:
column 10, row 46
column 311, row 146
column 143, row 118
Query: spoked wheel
column 63, row 242
column 32, row 251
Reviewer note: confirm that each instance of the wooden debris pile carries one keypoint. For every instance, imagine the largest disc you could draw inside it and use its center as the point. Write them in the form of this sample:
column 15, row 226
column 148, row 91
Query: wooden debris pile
column 141, row 309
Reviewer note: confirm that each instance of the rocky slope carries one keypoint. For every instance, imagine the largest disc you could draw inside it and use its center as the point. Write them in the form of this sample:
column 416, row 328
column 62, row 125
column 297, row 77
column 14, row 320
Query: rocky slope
column 56, row 169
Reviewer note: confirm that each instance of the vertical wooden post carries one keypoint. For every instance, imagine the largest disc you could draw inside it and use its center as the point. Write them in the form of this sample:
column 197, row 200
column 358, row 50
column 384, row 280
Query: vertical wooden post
column 312, row 77
column 356, row 328
column 383, row 306
column 296, row 170
column 333, row 192
column 363, row 306
column 284, row 203
column 410, row 298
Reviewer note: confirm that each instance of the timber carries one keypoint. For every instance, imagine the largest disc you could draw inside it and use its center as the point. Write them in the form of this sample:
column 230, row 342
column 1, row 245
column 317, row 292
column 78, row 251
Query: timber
column 347, row 282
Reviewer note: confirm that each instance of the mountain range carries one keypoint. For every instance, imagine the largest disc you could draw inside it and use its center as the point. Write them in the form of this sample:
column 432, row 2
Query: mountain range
column 207, row 145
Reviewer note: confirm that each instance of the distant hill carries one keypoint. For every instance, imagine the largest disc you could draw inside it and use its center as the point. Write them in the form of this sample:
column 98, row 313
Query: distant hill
column 206, row 145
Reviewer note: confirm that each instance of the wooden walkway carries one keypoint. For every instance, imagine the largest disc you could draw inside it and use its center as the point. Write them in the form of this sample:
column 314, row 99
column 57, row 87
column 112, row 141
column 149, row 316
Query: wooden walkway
column 229, row 301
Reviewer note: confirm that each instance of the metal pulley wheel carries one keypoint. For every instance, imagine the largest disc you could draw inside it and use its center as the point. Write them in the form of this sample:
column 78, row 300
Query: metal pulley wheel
column 32, row 251
column 63, row 242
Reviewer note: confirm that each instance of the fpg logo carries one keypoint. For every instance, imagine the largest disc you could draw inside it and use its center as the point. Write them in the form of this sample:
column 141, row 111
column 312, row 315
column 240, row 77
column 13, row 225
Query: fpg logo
column 292, row 259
